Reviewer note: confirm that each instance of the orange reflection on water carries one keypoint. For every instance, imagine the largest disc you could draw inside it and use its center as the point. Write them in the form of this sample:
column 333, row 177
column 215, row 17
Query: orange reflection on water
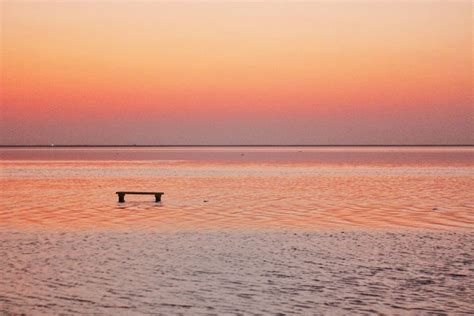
column 203, row 194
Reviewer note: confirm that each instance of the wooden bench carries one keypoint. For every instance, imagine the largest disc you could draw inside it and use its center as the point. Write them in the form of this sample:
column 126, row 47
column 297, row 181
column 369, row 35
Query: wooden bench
column 121, row 195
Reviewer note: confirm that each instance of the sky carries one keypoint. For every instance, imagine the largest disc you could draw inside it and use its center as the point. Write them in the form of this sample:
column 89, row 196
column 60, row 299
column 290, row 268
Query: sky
column 216, row 72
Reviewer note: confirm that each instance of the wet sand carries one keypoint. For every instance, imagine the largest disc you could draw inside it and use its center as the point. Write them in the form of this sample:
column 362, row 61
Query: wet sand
column 240, row 272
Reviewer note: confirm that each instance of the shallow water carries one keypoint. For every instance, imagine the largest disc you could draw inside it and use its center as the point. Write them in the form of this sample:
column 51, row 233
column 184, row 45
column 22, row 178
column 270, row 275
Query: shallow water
column 239, row 188
column 264, row 230
column 136, row 272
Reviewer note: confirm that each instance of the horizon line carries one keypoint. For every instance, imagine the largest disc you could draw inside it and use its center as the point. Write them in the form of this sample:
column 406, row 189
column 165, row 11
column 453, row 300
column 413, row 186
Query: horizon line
column 240, row 145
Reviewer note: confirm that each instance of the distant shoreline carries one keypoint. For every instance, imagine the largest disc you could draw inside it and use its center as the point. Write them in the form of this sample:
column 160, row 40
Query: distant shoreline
column 236, row 146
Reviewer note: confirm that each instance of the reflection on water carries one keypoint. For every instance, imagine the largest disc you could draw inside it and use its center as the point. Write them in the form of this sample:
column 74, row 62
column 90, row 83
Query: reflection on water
column 240, row 230
column 268, row 191
column 418, row 156
column 201, row 273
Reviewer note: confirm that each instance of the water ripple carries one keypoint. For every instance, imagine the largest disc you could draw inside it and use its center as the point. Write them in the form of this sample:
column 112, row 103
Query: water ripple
column 109, row 272
column 270, row 196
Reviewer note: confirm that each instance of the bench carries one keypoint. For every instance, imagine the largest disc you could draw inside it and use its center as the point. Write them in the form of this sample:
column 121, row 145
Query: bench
column 121, row 195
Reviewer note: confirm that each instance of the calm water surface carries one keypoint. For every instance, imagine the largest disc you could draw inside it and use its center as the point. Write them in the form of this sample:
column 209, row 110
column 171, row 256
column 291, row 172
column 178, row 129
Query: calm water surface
column 265, row 230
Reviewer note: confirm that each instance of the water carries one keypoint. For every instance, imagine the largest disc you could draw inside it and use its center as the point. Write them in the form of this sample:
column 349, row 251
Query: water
column 239, row 188
column 292, row 230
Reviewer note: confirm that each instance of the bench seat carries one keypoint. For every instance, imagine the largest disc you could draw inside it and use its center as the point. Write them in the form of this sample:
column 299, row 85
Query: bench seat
column 121, row 195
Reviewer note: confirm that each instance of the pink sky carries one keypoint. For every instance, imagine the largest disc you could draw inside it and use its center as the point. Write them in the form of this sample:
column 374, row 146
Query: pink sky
column 327, row 72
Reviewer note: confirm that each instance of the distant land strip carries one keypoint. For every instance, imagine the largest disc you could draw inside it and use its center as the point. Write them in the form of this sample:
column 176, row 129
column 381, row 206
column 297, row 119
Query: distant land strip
column 263, row 145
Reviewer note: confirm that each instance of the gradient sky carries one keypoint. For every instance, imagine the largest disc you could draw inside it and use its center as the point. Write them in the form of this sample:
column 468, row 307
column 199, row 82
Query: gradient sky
column 326, row 72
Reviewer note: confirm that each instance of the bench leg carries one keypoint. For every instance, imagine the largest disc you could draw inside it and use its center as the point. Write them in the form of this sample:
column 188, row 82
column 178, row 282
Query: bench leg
column 121, row 198
column 157, row 197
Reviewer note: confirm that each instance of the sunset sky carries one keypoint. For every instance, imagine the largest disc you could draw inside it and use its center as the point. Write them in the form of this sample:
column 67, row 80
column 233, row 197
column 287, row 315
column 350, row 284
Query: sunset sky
column 323, row 72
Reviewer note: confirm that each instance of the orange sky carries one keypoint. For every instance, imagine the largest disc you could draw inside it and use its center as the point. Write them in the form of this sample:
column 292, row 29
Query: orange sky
column 97, row 72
